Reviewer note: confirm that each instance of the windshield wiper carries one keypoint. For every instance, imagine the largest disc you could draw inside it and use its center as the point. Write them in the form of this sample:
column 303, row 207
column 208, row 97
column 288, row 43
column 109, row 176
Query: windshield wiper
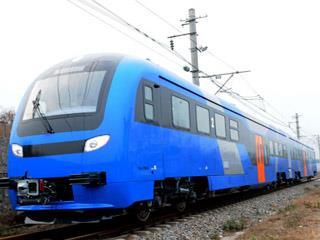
column 36, row 109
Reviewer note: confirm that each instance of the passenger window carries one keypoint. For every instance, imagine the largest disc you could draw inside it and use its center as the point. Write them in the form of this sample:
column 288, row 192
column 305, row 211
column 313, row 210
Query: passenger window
column 234, row 135
column 280, row 150
column 203, row 121
column 180, row 113
column 220, row 121
column 148, row 95
column 292, row 153
column 276, row 152
column 233, row 124
column 148, row 111
column 285, row 151
column 271, row 147
column 234, row 131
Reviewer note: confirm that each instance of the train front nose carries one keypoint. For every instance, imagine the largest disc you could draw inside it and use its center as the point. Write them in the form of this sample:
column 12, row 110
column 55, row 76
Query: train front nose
column 56, row 175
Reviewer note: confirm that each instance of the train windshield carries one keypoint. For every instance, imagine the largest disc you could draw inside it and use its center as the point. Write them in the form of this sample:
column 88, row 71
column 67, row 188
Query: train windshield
column 71, row 93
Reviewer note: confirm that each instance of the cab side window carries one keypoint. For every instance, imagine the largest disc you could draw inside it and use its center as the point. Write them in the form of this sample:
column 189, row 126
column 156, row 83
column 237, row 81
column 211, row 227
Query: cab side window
column 148, row 103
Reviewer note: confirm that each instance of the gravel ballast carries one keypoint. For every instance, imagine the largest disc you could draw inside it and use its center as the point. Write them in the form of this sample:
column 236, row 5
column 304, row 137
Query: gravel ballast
column 210, row 225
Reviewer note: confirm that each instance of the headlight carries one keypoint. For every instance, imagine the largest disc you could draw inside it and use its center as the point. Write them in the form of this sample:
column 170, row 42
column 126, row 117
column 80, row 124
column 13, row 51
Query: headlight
column 96, row 143
column 17, row 150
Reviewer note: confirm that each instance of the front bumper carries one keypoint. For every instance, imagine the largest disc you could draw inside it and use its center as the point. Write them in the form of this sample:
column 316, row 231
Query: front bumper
column 53, row 193
column 87, row 179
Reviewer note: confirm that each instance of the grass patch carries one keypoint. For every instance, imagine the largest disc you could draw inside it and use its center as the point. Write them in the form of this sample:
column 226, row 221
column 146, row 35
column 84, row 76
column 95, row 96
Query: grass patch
column 287, row 209
column 298, row 220
column 215, row 236
column 307, row 189
column 307, row 205
column 314, row 205
column 293, row 221
column 233, row 225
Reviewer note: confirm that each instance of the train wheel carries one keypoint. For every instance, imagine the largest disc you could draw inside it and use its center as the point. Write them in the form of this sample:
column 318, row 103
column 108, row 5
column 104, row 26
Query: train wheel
column 181, row 206
column 142, row 213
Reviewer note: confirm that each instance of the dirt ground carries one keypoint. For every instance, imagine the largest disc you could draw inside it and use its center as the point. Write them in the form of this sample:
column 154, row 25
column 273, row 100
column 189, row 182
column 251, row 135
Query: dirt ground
column 300, row 220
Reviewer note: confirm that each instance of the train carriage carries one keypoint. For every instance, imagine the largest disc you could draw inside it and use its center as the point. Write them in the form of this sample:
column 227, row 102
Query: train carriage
column 107, row 134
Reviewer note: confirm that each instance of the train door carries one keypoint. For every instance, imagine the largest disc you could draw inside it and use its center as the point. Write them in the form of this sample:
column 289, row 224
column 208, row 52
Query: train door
column 146, row 139
column 260, row 159
column 305, row 170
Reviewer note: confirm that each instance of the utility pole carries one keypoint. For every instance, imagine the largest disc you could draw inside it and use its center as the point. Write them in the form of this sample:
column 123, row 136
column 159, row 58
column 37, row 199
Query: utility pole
column 192, row 21
column 194, row 49
column 296, row 117
column 193, row 46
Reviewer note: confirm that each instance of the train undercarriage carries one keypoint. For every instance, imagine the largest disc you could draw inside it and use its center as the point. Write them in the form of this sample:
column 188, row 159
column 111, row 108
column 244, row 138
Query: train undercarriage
column 176, row 193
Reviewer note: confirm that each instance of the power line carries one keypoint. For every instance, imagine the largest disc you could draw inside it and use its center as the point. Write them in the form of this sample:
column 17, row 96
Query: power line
column 123, row 33
column 257, row 97
column 178, row 30
column 219, row 59
column 262, row 113
column 107, row 12
column 126, row 23
column 158, row 16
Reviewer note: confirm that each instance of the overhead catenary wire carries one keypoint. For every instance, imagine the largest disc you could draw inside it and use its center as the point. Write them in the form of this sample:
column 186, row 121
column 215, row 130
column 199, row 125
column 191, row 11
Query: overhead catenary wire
column 178, row 30
column 108, row 13
column 125, row 23
column 123, row 33
column 138, row 30
column 158, row 16
column 264, row 114
column 220, row 87
column 122, row 21
column 259, row 97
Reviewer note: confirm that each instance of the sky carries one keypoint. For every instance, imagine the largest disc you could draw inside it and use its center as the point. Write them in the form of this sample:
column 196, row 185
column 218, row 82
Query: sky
column 278, row 41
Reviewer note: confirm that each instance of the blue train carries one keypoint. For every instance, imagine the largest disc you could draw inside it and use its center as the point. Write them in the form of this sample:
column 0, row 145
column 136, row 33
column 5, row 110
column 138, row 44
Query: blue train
column 106, row 134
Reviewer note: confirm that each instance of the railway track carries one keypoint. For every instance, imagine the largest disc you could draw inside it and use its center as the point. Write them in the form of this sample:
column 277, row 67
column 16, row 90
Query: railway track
column 124, row 225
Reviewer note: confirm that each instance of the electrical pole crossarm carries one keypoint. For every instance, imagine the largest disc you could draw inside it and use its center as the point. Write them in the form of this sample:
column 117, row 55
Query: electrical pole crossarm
column 180, row 35
column 186, row 21
column 223, row 74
